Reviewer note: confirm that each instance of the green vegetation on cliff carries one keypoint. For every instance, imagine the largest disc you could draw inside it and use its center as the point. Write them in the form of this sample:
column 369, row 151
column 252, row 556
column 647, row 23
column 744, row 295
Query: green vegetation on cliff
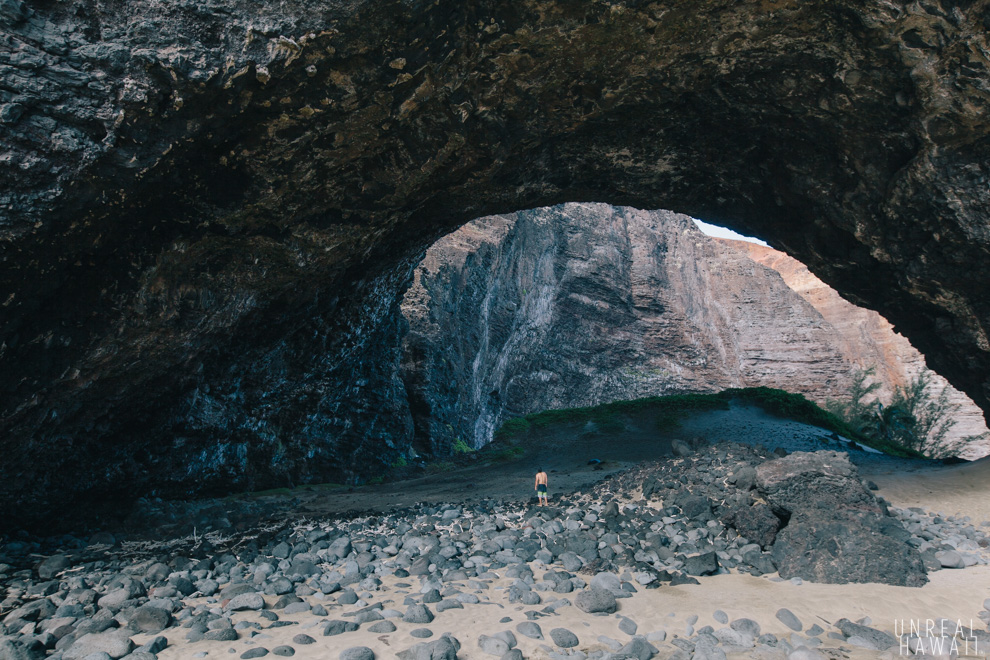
column 668, row 411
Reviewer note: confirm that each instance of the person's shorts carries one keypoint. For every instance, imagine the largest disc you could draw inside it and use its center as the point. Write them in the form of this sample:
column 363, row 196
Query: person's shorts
column 541, row 489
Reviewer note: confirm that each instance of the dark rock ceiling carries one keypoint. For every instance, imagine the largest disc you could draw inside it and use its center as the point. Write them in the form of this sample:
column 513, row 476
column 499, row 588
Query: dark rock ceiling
column 208, row 209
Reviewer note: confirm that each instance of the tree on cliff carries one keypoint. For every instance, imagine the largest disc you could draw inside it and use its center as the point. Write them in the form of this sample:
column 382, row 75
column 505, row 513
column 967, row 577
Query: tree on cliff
column 917, row 417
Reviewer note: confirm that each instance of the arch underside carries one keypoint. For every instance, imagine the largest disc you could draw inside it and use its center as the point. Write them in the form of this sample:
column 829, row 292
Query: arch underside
column 209, row 216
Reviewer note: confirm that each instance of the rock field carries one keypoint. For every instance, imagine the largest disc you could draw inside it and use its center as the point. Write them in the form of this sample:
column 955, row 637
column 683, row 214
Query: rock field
column 499, row 579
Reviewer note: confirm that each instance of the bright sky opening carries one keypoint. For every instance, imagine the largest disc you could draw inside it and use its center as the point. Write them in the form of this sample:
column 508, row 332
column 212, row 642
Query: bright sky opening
column 722, row 232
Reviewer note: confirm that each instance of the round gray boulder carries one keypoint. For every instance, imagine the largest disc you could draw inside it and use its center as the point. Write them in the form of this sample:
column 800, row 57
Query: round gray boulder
column 418, row 613
column 563, row 638
column 113, row 643
column 248, row 601
column 357, row 653
column 596, row 600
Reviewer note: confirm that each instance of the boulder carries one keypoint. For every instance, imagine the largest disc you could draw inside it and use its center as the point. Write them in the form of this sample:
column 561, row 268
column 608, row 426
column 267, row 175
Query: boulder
column 756, row 522
column 530, row 629
column 866, row 637
column 113, row 643
column 445, row 648
column 148, row 619
column 246, row 601
column 52, row 566
column 357, row 653
column 492, row 645
column 564, row 638
column 638, row 647
column 703, row 564
column 837, row 531
column 595, row 600
column 418, row 613
column 12, row 649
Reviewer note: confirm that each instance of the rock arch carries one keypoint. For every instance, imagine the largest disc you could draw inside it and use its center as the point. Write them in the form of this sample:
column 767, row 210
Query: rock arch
column 209, row 208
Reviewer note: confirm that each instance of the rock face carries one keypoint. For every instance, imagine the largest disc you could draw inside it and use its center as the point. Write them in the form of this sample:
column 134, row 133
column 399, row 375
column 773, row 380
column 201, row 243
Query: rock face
column 582, row 304
column 836, row 530
column 866, row 339
column 208, row 211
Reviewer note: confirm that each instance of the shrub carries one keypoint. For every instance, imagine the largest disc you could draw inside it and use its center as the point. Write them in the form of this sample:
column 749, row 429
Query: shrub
column 461, row 447
column 669, row 410
column 439, row 467
column 512, row 428
column 915, row 421
column 507, row 454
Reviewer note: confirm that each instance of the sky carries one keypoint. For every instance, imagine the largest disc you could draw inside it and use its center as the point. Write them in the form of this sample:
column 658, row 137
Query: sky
column 722, row 232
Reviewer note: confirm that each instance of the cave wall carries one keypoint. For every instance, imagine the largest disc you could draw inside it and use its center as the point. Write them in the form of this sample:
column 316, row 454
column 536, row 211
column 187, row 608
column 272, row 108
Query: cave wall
column 208, row 211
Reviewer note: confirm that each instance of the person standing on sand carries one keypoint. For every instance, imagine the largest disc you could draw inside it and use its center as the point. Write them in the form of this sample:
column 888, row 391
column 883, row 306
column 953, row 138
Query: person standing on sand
column 541, row 487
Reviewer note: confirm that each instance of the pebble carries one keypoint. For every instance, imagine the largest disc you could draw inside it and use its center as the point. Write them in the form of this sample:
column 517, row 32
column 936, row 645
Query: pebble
column 595, row 600
column 530, row 629
column 418, row 613
column 303, row 638
column 492, row 645
column 382, row 627
column 421, row 633
column 786, row 617
column 256, row 652
column 563, row 638
column 357, row 653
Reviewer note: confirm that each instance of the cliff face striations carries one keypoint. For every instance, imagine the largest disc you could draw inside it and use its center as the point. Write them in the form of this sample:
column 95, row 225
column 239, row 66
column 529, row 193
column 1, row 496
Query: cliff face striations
column 209, row 210
column 582, row 304
column 868, row 341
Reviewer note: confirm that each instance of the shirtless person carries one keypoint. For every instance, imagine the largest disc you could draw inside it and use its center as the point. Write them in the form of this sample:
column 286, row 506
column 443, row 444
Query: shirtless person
column 541, row 487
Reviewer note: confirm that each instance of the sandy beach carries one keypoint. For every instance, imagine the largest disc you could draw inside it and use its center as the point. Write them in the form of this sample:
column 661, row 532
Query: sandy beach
column 477, row 602
column 676, row 612
column 954, row 595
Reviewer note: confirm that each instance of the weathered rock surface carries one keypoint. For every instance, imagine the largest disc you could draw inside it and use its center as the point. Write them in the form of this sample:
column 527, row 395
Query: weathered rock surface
column 208, row 212
column 836, row 531
column 866, row 339
column 582, row 304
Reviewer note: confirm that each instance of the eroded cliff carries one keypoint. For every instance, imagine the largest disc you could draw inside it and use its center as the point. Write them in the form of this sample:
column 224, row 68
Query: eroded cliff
column 583, row 304
column 868, row 341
